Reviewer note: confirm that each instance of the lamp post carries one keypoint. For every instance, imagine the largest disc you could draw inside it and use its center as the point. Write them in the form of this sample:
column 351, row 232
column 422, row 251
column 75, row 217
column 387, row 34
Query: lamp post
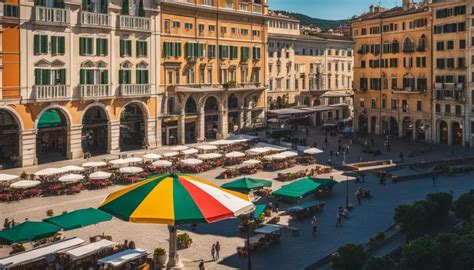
column 249, row 262
column 347, row 182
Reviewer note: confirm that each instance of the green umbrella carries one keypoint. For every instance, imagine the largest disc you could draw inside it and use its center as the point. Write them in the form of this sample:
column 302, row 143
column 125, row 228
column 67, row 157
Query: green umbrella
column 298, row 189
column 329, row 183
column 247, row 184
column 27, row 231
column 79, row 218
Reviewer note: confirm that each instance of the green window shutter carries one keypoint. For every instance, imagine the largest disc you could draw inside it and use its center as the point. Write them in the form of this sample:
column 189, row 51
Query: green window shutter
column 61, row 41
column 82, row 75
column 90, row 47
column 105, row 47
column 120, row 76
column 178, row 49
column 145, row 48
column 165, row 50
column 90, row 77
column 36, row 47
column 54, row 45
column 104, row 77
column 38, row 76
column 129, row 47
column 81, row 46
column 128, row 77
column 138, row 48
column 46, row 77
column 98, row 46
column 44, row 44
column 121, row 48
column 138, row 78
column 62, row 76
column 146, row 77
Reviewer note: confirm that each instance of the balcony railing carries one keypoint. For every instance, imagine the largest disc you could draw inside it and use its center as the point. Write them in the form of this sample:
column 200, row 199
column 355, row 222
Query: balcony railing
column 243, row 7
column 8, row 11
column 95, row 91
column 135, row 90
column 256, row 8
column 229, row 5
column 180, row 1
column 95, row 19
column 135, row 23
column 51, row 15
column 409, row 47
column 50, row 92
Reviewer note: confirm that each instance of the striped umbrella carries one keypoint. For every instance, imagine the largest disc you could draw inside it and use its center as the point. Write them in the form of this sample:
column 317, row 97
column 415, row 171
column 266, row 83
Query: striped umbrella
column 175, row 199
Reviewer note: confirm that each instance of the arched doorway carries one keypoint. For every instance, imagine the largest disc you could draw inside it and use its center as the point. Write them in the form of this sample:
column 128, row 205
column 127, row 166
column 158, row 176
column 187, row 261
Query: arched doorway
column 212, row 117
column 407, row 128
column 9, row 140
column 393, row 127
column 234, row 113
column 373, row 124
column 95, row 131
column 306, row 101
column 51, row 139
column 363, row 125
column 190, row 109
column 420, row 130
column 443, row 132
column 279, row 102
column 132, row 128
column 456, row 133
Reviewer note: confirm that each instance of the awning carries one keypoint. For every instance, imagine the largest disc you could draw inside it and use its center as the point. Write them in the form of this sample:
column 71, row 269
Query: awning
column 268, row 229
column 79, row 218
column 123, row 257
column 49, row 118
column 287, row 111
column 247, row 184
column 259, row 209
column 337, row 94
column 242, row 137
column 304, row 206
column 39, row 253
column 298, row 189
column 89, row 249
column 329, row 183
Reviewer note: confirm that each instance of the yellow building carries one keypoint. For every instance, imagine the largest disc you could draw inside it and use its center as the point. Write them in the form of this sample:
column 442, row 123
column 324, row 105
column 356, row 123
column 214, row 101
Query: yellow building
column 393, row 86
column 213, row 68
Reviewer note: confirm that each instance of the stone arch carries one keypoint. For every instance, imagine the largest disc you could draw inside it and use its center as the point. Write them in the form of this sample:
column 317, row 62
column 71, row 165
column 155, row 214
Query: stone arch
column 420, row 130
column 362, row 122
column 233, row 101
column 10, row 141
column 306, row 101
column 373, row 124
column 456, row 133
column 209, row 107
column 190, row 106
column 62, row 109
column 95, row 104
column 407, row 128
column 15, row 114
column 133, row 127
column 95, row 129
column 393, row 126
column 443, row 132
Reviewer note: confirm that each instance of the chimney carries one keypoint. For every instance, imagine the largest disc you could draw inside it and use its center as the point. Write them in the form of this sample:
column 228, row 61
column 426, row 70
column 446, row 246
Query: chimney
column 407, row 4
column 371, row 9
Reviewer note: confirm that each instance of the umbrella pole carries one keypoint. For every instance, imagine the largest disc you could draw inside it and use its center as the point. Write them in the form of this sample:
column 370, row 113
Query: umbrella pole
column 174, row 261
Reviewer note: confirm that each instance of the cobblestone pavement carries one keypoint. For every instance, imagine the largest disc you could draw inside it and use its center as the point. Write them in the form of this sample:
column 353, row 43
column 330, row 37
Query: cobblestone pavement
column 372, row 216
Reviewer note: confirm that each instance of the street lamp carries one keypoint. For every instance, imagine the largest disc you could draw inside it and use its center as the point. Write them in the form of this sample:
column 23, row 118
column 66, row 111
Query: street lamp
column 249, row 262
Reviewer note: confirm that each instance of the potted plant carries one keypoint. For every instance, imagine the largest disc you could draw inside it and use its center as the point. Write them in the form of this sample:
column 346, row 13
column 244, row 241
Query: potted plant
column 183, row 240
column 159, row 256
column 49, row 213
column 24, row 175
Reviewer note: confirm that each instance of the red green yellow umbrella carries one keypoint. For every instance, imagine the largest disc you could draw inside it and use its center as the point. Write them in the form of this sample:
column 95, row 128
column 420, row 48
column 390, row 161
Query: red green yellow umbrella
column 175, row 199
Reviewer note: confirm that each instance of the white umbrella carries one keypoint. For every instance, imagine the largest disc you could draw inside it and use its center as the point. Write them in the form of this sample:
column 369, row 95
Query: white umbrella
column 275, row 157
column 72, row 168
column 235, row 154
column 190, row 151
column 289, row 154
column 162, row 163
column 100, row 175
column 94, row 164
column 152, row 156
column 179, row 148
column 222, row 142
column 251, row 162
column 191, row 162
column 49, row 171
column 209, row 156
column 22, row 184
column 207, row 147
column 257, row 151
column 134, row 159
column 119, row 162
column 7, row 177
column 171, row 154
column 131, row 170
column 312, row 151
column 71, row 178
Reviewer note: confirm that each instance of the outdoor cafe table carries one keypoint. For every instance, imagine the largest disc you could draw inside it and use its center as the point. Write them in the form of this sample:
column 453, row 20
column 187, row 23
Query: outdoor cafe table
column 268, row 229
column 123, row 257
column 256, row 239
column 89, row 249
column 39, row 253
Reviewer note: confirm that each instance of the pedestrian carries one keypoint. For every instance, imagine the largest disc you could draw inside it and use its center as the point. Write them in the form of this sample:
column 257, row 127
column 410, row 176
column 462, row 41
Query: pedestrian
column 363, row 177
column 347, row 149
column 340, row 147
column 218, row 249
column 201, row 265
column 314, row 225
column 6, row 224
column 339, row 219
column 372, row 141
column 358, row 196
column 331, row 152
column 13, row 223
column 315, row 144
column 125, row 245
column 401, row 156
column 337, row 153
column 276, row 207
column 434, row 178
column 213, row 252
column 131, row 245
column 307, row 132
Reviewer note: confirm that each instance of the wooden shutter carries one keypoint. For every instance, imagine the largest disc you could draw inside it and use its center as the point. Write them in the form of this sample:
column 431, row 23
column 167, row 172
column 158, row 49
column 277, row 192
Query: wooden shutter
column 44, row 44
column 82, row 77
column 61, row 41
column 36, row 44
column 104, row 77
column 122, row 48
column 62, row 76
column 38, row 76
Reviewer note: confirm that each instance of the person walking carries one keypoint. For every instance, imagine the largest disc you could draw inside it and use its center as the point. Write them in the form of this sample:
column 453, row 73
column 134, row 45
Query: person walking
column 401, row 156
column 201, row 265
column 339, row 219
column 314, row 225
column 434, row 180
column 218, row 250
column 213, row 252
column 358, row 196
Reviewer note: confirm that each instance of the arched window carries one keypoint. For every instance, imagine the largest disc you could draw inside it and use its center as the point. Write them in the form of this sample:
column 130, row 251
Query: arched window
column 190, row 107
column 125, row 73
column 408, row 82
column 395, row 46
column 171, row 105
column 142, row 73
column 408, row 45
column 422, row 44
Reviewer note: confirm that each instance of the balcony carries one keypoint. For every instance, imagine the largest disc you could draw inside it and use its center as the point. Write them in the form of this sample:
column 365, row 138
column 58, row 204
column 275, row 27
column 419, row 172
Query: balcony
column 50, row 92
column 409, row 47
column 93, row 19
column 95, row 91
column 180, row 1
column 243, row 7
column 47, row 15
column 9, row 13
column 256, row 8
column 129, row 90
column 135, row 23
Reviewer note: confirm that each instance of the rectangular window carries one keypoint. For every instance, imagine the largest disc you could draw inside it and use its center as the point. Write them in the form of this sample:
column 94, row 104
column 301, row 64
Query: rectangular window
column 171, row 49
column 211, row 51
column 86, row 46
column 384, row 103
column 256, row 53
column 212, row 28
column 373, row 103
column 125, row 76
column 102, row 46
column 188, row 26
column 233, row 52
column 245, row 53
column 40, row 44
column 440, row 46
column 50, row 76
column 223, row 51
column 57, row 45
column 142, row 48
column 418, row 105
column 394, row 104
column 125, row 48
column 142, row 76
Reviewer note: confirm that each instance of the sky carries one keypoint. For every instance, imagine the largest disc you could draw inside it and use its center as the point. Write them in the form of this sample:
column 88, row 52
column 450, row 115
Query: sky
column 330, row 9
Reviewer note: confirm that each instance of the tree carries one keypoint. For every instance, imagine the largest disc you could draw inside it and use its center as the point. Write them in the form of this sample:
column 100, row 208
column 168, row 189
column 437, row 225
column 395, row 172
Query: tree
column 374, row 263
column 464, row 251
column 349, row 257
column 445, row 203
column 464, row 206
column 421, row 254
column 447, row 246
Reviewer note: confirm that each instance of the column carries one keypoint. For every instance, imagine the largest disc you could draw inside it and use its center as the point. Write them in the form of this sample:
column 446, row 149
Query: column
column 158, row 132
column 200, row 126
column 150, row 133
column 181, row 129
column 114, row 137
column 223, row 123
column 241, row 118
column 28, row 148
column 450, row 133
column 74, row 142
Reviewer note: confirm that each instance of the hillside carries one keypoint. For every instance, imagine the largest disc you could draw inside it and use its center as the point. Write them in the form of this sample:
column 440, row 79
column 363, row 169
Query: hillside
column 315, row 22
